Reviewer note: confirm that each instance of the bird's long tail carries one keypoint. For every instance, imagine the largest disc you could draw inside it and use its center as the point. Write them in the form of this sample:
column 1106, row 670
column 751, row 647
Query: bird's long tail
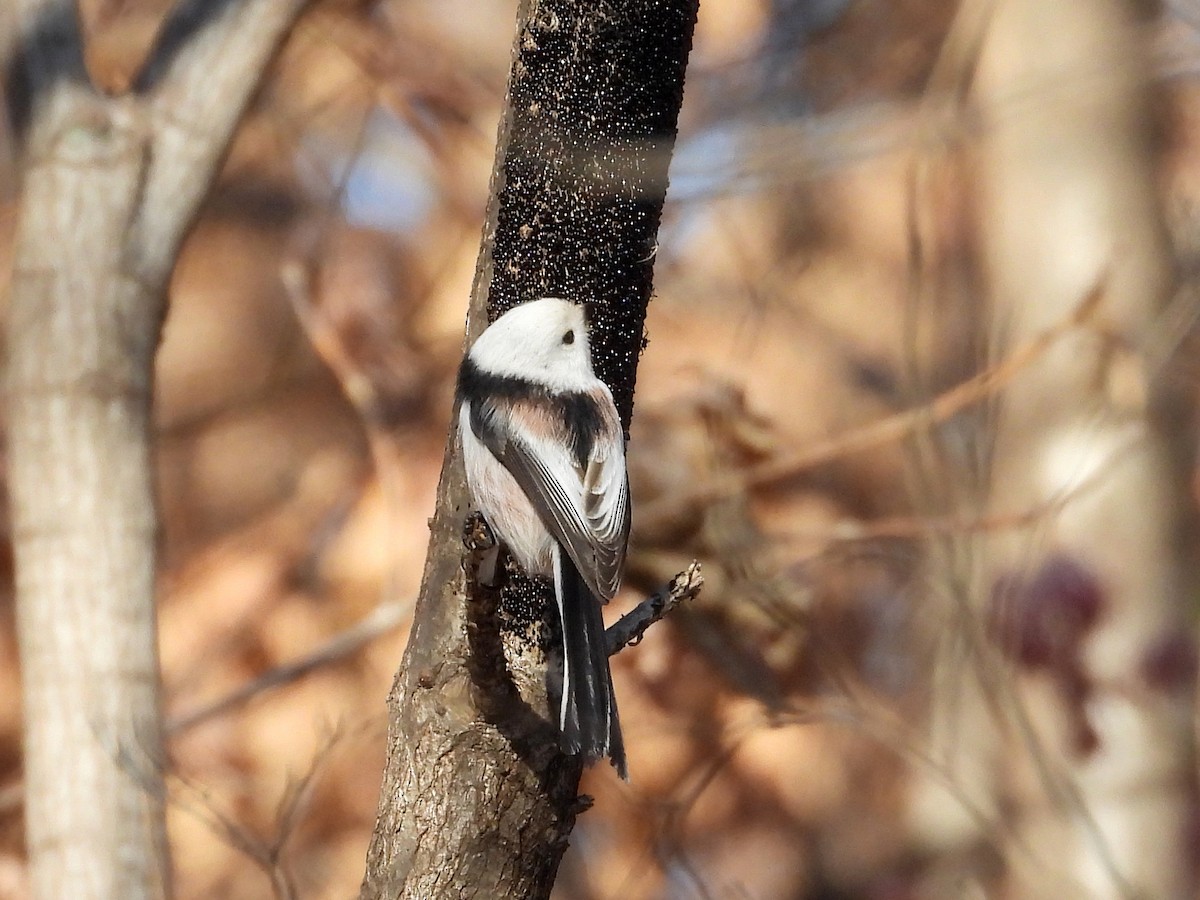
column 588, row 708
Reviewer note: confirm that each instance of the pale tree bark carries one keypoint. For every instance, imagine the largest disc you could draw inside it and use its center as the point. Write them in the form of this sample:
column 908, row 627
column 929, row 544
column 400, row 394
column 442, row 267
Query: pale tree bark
column 1090, row 680
column 476, row 799
column 109, row 187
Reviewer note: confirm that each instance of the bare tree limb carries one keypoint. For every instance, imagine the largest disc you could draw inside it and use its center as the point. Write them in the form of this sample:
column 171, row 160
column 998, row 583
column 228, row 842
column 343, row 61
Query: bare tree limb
column 962, row 396
column 200, row 77
column 384, row 618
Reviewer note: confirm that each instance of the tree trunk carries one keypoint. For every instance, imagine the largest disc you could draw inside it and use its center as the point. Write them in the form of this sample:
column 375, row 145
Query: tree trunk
column 476, row 799
column 81, row 340
column 108, row 189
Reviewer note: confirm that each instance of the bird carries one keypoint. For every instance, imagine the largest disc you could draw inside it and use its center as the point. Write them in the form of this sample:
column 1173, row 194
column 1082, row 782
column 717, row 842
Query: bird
column 544, row 452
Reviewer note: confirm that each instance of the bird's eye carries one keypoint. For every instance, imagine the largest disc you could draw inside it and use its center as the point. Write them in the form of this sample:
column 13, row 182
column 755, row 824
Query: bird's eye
column 569, row 337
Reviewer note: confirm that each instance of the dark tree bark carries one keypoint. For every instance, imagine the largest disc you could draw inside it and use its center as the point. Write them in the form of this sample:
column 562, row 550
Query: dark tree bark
column 109, row 187
column 476, row 799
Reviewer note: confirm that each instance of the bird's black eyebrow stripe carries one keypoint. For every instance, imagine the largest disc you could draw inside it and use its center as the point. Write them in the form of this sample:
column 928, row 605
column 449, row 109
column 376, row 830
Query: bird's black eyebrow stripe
column 474, row 383
column 579, row 412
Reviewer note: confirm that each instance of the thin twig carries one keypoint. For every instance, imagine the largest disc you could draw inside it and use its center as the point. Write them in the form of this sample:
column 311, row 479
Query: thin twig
column 384, row 618
column 849, row 530
column 882, row 431
column 631, row 627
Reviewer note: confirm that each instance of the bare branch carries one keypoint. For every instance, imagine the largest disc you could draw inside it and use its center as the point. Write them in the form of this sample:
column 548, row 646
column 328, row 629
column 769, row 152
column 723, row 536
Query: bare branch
column 380, row 621
column 199, row 79
column 631, row 627
column 890, row 428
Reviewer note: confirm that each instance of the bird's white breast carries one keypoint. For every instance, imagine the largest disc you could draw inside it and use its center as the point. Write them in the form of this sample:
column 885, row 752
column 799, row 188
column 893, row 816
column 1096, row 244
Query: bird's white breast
column 504, row 505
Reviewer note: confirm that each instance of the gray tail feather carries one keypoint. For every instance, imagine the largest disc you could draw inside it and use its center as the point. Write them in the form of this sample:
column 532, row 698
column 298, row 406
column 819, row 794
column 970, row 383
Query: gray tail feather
column 588, row 720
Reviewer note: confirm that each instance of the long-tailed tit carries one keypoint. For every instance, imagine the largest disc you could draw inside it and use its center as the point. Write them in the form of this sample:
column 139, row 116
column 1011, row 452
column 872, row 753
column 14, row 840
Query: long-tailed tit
column 545, row 460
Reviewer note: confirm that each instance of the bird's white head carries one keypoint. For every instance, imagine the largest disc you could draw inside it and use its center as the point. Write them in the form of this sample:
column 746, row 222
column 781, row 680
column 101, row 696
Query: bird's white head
column 543, row 341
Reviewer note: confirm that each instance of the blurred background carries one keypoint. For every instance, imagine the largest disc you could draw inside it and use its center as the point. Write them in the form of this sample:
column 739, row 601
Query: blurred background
column 917, row 393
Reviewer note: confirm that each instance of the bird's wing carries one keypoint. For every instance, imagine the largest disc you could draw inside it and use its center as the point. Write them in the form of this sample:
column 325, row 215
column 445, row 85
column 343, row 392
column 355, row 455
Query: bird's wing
column 585, row 507
column 606, row 501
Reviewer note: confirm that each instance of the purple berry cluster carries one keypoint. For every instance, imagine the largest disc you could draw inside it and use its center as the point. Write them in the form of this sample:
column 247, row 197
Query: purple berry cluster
column 1040, row 620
